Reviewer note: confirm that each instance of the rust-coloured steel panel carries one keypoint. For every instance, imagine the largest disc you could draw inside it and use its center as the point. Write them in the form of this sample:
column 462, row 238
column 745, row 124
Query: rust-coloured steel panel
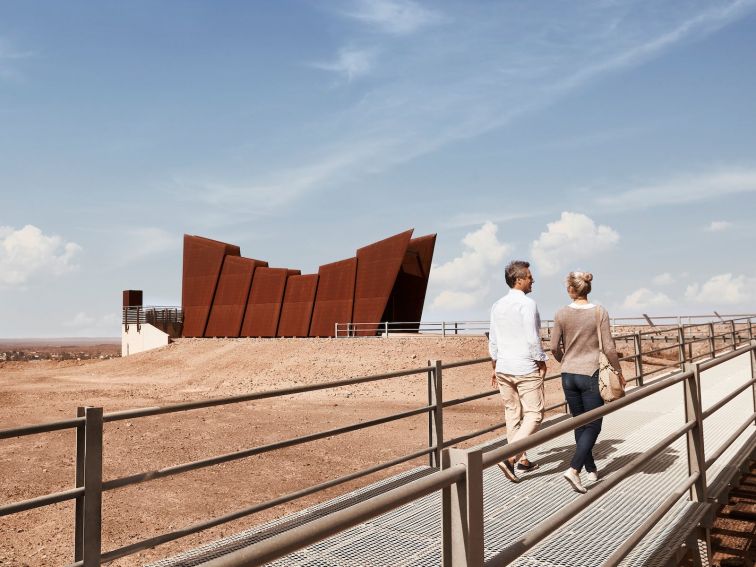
column 335, row 297
column 203, row 259
column 408, row 296
column 132, row 297
column 264, row 304
column 298, row 302
column 227, row 311
column 377, row 267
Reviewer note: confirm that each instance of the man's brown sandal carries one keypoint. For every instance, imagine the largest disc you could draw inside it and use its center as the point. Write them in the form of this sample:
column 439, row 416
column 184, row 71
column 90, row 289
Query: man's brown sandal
column 526, row 466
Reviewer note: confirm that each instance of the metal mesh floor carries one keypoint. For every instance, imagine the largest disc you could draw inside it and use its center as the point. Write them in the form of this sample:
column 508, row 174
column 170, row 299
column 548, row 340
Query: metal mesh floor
column 411, row 535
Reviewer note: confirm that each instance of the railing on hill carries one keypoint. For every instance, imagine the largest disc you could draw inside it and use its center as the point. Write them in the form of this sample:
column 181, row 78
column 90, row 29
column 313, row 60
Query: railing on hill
column 169, row 319
column 448, row 328
column 462, row 471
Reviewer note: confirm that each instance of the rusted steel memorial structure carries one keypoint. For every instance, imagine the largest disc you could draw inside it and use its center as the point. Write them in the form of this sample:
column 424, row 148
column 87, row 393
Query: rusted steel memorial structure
column 227, row 295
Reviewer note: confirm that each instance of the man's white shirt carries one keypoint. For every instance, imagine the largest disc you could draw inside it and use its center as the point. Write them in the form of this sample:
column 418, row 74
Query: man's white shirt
column 514, row 339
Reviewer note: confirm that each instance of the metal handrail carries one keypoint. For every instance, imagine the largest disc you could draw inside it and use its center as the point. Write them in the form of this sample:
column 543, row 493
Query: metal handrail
column 287, row 542
column 282, row 544
column 25, row 430
column 207, row 524
column 41, row 501
column 245, row 453
column 186, row 406
column 456, row 327
column 80, row 423
column 730, row 440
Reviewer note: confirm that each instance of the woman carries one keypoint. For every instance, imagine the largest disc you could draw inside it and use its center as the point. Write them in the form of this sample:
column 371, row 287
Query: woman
column 574, row 343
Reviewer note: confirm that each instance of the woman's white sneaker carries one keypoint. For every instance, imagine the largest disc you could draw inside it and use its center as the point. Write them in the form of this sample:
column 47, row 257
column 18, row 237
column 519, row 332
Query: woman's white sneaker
column 592, row 476
column 574, row 480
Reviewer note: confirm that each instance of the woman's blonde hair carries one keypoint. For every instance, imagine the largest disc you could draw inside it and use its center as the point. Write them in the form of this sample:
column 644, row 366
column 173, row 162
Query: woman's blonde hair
column 580, row 282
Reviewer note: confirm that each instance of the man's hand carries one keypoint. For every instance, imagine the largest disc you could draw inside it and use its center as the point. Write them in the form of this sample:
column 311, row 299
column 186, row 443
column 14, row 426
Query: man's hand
column 541, row 368
column 494, row 380
column 622, row 380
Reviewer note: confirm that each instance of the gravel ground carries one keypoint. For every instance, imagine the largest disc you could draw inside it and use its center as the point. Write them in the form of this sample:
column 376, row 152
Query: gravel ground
column 196, row 369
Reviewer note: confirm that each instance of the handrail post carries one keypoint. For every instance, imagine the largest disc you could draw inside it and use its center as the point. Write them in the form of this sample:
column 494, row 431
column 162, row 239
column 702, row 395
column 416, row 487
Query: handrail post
column 92, row 540
column 462, row 511
column 681, row 347
column 750, row 329
column 638, row 358
column 695, row 438
column 734, row 335
column 700, row 540
column 443, row 328
column 753, row 373
column 436, row 415
column 79, row 482
column 712, row 347
column 386, row 329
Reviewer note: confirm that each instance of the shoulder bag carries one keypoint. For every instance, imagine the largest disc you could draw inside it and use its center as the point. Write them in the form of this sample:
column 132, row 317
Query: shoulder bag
column 610, row 387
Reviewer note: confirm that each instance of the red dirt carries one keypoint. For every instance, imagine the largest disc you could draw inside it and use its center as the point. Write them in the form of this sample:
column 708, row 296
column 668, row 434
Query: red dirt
column 195, row 369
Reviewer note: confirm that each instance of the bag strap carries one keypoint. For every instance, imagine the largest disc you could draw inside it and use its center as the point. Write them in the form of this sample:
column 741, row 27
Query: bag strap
column 598, row 328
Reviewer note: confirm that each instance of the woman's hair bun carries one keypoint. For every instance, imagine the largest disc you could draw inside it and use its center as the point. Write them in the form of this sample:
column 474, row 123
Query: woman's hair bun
column 587, row 276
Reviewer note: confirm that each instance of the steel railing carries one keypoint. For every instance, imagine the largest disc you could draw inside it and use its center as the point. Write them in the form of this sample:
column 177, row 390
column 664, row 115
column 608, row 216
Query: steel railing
column 167, row 318
column 450, row 328
column 461, row 483
column 88, row 425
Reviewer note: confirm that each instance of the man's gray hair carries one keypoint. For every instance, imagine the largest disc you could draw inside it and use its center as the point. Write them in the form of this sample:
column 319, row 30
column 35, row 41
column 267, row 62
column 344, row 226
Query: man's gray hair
column 515, row 269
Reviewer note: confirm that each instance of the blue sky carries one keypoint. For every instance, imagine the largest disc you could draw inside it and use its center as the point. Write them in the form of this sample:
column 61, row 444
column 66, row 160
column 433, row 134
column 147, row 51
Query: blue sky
column 603, row 135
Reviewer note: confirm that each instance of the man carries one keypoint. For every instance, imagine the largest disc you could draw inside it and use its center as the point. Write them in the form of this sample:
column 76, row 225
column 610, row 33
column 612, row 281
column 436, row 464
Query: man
column 518, row 360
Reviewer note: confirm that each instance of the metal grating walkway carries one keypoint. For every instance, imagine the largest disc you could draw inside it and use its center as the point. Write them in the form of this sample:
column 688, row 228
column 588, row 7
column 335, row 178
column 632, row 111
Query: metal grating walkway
column 411, row 535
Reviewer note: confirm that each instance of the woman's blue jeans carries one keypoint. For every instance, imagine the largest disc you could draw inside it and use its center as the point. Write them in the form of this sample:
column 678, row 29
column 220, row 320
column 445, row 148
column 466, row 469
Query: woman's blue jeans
column 582, row 394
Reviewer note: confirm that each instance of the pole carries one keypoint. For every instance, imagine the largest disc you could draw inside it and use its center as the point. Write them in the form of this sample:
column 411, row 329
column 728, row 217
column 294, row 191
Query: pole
column 79, row 510
column 436, row 415
column 638, row 358
column 462, row 525
column 92, row 544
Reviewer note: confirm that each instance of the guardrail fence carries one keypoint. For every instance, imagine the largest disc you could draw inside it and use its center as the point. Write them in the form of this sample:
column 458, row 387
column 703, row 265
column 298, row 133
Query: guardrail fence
column 689, row 349
column 166, row 318
column 449, row 328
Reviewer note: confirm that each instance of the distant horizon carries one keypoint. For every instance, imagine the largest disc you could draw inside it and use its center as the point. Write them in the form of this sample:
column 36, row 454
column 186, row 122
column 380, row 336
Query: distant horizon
column 74, row 340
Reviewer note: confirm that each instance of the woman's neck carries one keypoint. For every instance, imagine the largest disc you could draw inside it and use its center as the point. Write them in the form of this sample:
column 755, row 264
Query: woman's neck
column 580, row 300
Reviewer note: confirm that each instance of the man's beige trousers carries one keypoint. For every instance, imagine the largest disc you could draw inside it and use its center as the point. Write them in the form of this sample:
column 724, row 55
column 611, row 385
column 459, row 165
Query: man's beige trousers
column 523, row 403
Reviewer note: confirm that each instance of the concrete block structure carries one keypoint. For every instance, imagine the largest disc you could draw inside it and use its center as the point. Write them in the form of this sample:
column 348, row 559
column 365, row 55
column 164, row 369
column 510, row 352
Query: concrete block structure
column 227, row 295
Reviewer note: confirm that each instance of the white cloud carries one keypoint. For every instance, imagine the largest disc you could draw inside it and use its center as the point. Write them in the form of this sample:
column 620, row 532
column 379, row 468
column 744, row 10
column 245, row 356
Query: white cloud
column 350, row 63
column 664, row 279
column 723, row 289
column 573, row 237
column 27, row 254
column 644, row 297
column 448, row 299
column 394, row 16
column 718, row 226
column 684, row 189
column 464, row 280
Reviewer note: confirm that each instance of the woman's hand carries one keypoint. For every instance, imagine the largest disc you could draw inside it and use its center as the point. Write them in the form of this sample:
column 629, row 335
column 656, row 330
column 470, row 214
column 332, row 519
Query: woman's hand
column 622, row 380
